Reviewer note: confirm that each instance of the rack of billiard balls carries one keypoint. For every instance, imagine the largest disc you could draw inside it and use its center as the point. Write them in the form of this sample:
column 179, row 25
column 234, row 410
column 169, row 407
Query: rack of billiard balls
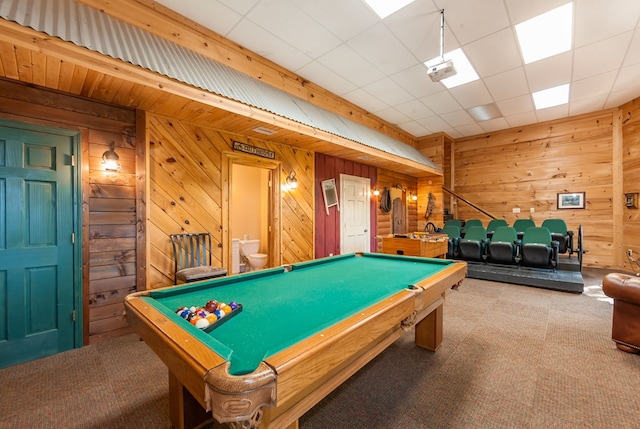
column 211, row 315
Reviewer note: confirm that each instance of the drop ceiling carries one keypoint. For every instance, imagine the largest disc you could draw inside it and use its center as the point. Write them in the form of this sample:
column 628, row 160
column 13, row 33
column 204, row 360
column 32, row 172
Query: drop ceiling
column 343, row 46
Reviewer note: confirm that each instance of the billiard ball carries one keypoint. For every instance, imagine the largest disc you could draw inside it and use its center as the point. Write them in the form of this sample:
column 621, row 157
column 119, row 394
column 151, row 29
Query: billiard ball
column 219, row 313
column 233, row 305
column 202, row 323
column 211, row 305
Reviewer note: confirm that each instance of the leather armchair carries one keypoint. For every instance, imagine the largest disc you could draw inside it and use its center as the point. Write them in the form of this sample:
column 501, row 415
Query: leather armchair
column 625, row 291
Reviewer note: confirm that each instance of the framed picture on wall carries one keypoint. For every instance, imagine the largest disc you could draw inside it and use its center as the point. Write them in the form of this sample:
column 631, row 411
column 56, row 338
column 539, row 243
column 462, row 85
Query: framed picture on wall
column 572, row 200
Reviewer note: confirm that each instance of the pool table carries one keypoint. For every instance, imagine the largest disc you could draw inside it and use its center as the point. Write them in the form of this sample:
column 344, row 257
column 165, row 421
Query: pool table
column 302, row 331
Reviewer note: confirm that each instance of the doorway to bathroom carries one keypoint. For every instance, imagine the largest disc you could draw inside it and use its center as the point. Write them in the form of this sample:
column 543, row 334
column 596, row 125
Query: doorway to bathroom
column 252, row 211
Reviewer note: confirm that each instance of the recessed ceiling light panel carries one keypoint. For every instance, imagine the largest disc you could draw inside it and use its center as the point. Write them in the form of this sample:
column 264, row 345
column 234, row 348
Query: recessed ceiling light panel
column 546, row 35
column 551, row 97
column 385, row 8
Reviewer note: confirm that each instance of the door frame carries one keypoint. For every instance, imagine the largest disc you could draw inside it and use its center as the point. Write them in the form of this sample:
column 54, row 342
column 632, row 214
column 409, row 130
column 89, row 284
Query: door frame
column 366, row 181
column 274, row 222
column 75, row 160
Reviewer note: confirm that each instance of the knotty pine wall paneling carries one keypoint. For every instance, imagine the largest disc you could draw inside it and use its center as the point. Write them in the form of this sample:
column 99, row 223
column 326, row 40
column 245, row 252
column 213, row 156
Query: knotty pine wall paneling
column 437, row 148
column 108, row 199
column 327, row 235
column 389, row 179
column 188, row 192
column 629, row 116
column 527, row 167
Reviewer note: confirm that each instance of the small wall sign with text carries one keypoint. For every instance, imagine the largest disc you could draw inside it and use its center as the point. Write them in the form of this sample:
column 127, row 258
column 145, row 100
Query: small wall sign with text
column 253, row 150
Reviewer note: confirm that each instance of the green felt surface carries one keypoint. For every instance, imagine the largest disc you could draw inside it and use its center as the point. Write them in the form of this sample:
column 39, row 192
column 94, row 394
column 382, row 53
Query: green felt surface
column 281, row 308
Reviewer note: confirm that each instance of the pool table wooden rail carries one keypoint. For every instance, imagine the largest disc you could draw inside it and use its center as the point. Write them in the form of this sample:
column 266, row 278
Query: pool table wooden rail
column 290, row 382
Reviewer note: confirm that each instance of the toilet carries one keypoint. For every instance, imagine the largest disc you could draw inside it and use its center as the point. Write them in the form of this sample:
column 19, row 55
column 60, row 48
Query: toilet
column 249, row 249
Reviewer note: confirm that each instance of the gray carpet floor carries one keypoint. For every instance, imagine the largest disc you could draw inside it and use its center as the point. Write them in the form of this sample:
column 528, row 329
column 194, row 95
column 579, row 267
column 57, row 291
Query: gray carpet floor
column 512, row 357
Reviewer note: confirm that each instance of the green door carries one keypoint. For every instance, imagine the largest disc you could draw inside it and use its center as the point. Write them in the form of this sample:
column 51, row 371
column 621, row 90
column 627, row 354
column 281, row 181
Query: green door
column 37, row 224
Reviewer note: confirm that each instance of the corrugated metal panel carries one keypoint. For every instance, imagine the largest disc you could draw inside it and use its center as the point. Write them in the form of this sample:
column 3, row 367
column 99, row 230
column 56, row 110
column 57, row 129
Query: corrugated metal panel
column 87, row 27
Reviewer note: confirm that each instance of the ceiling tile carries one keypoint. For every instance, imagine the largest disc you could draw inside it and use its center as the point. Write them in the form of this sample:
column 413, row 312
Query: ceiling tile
column 549, row 72
column 433, row 123
column 520, row 11
column 417, row 26
column 618, row 98
column 468, row 130
column 633, row 53
column 516, row 105
column 269, row 46
column 240, row 6
column 380, row 47
column 393, row 115
column 288, row 22
column 609, row 55
column 441, row 102
column 472, row 20
column 521, row 119
column 362, row 98
column 587, row 105
column 471, row 94
column 350, row 65
column 337, row 16
column 416, row 81
column 324, row 76
column 494, row 54
column 414, row 109
column 592, row 86
column 214, row 15
column 458, row 118
column 494, row 124
column 415, row 129
column 553, row 112
column 507, row 85
column 597, row 19
column 389, row 91
column 628, row 78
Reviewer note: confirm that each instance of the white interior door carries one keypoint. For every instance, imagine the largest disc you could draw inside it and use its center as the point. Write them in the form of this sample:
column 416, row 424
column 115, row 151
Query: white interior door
column 354, row 214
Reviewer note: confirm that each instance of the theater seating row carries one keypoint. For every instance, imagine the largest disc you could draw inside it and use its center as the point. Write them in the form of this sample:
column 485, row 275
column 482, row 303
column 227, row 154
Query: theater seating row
column 524, row 243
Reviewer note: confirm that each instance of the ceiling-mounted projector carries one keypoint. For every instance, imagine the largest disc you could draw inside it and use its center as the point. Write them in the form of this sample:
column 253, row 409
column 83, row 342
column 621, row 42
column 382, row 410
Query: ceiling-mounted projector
column 442, row 71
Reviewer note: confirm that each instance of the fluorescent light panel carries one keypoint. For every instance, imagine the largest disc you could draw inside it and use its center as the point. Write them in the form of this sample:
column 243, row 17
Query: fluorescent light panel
column 546, row 35
column 551, row 97
column 465, row 71
column 385, row 8
column 485, row 112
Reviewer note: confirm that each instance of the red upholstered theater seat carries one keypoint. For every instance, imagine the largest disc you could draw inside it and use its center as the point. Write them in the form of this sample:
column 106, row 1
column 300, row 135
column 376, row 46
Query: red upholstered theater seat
column 625, row 291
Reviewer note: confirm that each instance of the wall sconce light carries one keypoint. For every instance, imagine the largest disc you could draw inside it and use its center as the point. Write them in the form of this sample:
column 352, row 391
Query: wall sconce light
column 292, row 182
column 414, row 197
column 376, row 192
column 110, row 159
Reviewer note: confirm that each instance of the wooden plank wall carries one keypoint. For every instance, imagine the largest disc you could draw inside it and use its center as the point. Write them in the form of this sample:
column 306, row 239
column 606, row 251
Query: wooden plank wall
column 109, row 199
column 389, row 179
column 327, row 241
column 189, row 183
column 630, row 217
column 526, row 168
column 437, row 148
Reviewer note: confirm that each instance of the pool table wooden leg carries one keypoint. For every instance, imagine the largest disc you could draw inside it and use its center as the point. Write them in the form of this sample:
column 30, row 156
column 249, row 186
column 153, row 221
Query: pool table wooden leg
column 429, row 330
column 184, row 410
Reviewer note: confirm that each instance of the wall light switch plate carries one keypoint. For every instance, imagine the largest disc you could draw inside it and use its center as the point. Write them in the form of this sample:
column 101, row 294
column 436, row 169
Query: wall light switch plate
column 516, row 209
column 532, row 210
